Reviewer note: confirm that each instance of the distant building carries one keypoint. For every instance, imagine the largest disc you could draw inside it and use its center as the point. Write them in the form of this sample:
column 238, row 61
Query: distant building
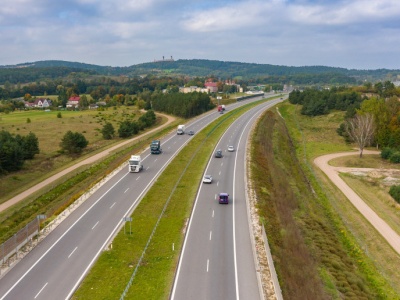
column 191, row 89
column 73, row 101
column 39, row 103
column 211, row 86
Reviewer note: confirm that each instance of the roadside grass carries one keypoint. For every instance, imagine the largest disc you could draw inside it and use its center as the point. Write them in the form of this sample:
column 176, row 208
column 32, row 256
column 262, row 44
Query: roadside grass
column 49, row 129
column 367, row 161
column 372, row 259
column 154, row 278
column 376, row 195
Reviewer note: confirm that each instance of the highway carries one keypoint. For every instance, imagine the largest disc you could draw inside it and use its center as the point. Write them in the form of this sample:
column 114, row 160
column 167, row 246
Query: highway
column 54, row 269
column 217, row 260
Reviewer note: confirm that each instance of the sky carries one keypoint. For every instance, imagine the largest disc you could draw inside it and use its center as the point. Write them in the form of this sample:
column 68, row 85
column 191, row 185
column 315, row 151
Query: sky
column 353, row 34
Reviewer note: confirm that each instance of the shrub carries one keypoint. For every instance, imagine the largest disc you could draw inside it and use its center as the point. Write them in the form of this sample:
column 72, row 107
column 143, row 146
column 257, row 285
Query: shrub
column 395, row 157
column 59, row 115
column 108, row 131
column 386, row 153
column 395, row 192
column 73, row 142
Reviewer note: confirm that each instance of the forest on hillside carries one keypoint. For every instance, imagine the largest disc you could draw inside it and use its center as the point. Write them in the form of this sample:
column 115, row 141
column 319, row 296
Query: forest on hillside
column 54, row 69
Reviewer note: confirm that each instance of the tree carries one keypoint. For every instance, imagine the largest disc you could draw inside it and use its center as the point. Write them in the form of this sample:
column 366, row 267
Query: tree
column 361, row 130
column 11, row 153
column 30, row 145
column 73, row 142
column 83, row 102
column 108, row 131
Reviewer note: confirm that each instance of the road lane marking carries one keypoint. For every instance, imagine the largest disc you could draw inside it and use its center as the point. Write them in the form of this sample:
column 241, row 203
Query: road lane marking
column 222, row 164
column 208, row 263
column 41, row 290
column 219, row 173
column 95, row 225
column 112, row 205
column 147, row 168
column 213, row 214
column 155, row 160
column 139, row 177
column 210, row 235
column 127, row 189
column 72, row 252
column 217, row 183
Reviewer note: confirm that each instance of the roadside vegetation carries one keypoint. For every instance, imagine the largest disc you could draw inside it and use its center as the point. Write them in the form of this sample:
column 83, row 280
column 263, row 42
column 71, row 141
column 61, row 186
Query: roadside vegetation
column 322, row 247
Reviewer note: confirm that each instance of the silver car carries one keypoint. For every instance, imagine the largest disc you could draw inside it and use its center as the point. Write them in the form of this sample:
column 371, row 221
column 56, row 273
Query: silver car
column 207, row 179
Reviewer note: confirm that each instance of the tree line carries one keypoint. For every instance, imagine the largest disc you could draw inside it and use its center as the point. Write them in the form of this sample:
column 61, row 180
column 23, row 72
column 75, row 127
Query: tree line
column 182, row 105
column 319, row 102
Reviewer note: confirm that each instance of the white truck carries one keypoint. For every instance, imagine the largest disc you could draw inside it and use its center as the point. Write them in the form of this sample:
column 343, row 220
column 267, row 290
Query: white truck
column 181, row 129
column 135, row 164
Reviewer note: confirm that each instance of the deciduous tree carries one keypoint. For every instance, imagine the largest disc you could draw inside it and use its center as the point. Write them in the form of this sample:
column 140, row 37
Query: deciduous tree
column 361, row 130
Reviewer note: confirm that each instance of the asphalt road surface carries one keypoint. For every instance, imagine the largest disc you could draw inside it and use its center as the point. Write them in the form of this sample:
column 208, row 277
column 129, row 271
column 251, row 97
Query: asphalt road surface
column 54, row 269
column 217, row 260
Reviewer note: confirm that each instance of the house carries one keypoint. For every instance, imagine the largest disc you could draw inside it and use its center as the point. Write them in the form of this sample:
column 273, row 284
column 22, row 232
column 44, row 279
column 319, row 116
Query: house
column 191, row 89
column 39, row 103
column 211, row 86
column 73, row 101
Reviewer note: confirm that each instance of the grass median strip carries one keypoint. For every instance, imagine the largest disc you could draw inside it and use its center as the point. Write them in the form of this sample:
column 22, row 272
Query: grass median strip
column 154, row 275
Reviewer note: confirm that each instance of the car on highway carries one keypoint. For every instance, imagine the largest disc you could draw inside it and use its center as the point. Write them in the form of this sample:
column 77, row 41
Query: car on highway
column 191, row 132
column 207, row 179
column 218, row 153
column 223, row 198
column 231, row 148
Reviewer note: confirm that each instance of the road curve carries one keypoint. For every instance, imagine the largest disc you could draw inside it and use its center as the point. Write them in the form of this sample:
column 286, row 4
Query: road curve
column 333, row 174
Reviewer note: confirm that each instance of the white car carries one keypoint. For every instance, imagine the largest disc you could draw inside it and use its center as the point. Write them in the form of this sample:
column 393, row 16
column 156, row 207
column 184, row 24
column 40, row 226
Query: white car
column 207, row 179
column 231, row 149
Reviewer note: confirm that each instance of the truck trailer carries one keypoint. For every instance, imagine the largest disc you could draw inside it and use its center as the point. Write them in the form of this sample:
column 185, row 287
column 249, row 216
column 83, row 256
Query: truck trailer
column 135, row 164
column 181, row 129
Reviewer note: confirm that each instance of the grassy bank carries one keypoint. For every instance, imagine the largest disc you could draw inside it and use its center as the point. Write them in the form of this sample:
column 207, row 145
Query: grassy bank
column 154, row 276
column 317, row 255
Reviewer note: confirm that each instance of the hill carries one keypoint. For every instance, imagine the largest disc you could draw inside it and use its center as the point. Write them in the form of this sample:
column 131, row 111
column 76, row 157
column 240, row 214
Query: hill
column 28, row 72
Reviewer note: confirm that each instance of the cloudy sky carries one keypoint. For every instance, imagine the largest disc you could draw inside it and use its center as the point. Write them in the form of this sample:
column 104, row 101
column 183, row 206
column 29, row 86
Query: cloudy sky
column 361, row 34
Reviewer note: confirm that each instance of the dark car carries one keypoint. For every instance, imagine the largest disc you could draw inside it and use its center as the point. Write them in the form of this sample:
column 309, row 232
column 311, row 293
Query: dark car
column 191, row 132
column 223, row 198
column 218, row 153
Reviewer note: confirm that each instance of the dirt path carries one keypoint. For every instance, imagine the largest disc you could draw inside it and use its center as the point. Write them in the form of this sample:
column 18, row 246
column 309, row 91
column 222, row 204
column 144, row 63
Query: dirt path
column 89, row 160
column 333, row 174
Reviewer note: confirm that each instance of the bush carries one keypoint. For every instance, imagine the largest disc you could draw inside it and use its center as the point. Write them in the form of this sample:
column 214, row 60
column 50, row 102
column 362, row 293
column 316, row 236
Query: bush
column 59, row 115
column 395, row 157
column 73, row 142
column 108, row 131
column 386, row 153
column 395, row 192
